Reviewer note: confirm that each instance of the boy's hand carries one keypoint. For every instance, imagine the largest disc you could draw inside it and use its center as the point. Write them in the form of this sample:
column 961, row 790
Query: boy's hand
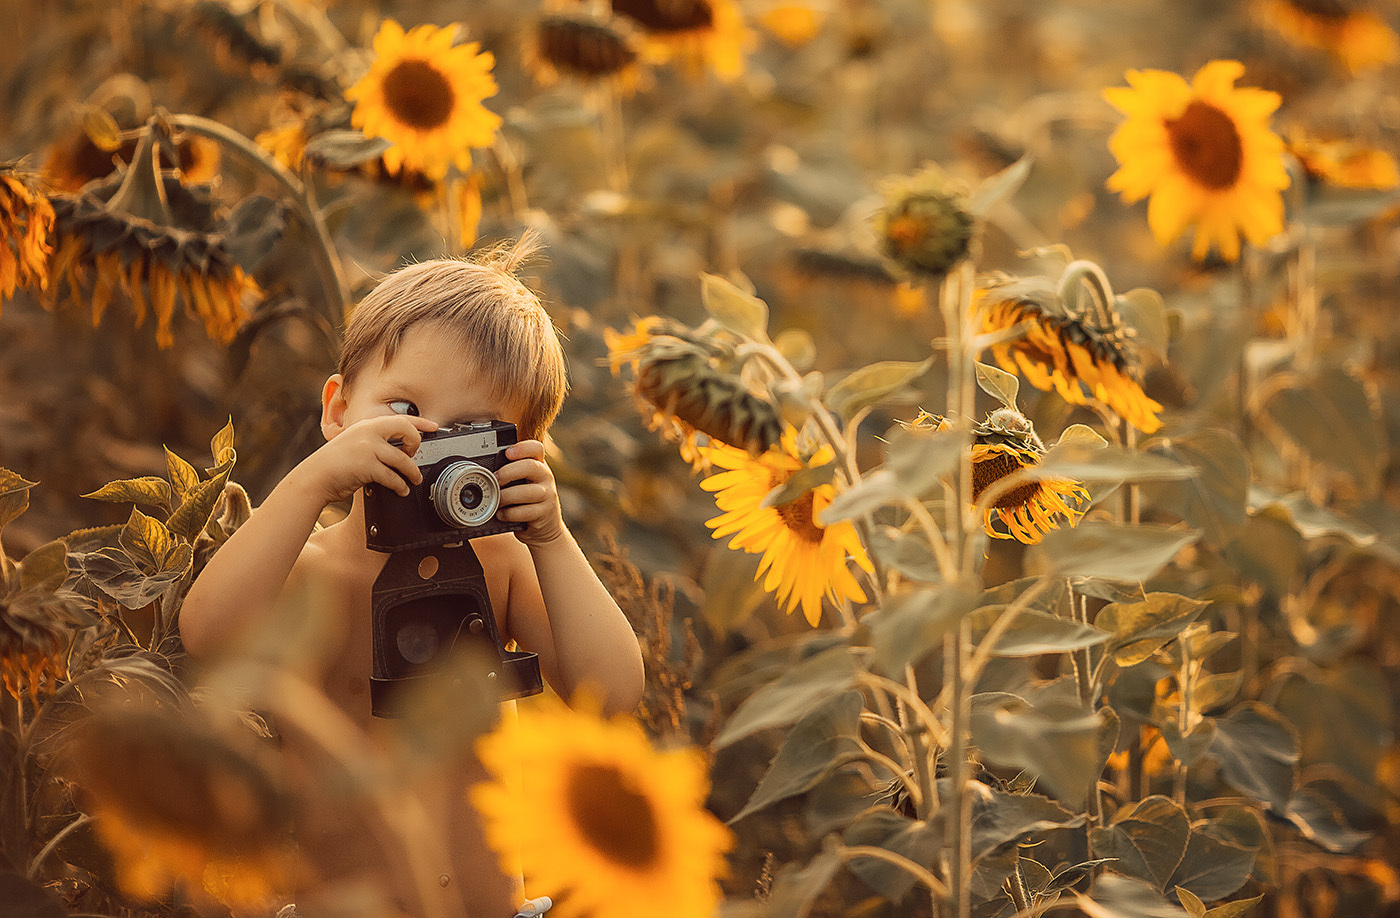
column 362, row 453
column 532, row 497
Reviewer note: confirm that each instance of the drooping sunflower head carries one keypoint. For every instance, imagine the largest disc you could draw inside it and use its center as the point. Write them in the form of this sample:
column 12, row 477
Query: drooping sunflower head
column 1348, row 29
column 1002, row 445
column 699, row 34
column 804, row 559
column 36, row 627
column 26, row 220
column 1070, row 350
column 425, row 95
column 626, row 825
column 176, row 803
column 683, row 380
column 585, row 48
column 924, row 224
column 1343, row 163
column 148, row 237
column 1203, row 153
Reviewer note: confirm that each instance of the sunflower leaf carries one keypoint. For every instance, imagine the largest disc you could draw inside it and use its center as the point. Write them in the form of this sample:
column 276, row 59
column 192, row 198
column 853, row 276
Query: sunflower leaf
column 1143, row 310
column 1113, row 550
column 792, row 695
column 998, row 383
column 911, row 626
column 822, row 741
column 344, row 149
column 1140, row 629
column 14, row 496
column 1212, row 868
column 1148, row 839
column 796, row 888
column 999, row 187
column 799, row 483
column 150, row 490
column 881, row 827
column 739, row 311
column 871, row 385
column 1258, row 753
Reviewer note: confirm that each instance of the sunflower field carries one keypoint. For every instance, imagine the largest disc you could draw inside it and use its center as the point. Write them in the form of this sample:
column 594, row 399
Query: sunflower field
column 980, row 409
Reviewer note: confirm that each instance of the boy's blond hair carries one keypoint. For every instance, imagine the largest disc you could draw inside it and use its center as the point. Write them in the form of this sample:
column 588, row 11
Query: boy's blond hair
column 497, row 318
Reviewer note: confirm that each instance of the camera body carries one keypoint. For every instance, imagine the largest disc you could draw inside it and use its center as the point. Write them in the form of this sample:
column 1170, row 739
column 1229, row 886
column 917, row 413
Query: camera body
column 458, row 498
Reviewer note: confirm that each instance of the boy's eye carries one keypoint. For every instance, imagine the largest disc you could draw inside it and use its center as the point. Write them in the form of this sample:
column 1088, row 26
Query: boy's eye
column 403, row 406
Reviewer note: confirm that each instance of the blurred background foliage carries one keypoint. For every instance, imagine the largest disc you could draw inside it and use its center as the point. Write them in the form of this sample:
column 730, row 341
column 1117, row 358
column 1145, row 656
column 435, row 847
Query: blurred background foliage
column 1279, row 389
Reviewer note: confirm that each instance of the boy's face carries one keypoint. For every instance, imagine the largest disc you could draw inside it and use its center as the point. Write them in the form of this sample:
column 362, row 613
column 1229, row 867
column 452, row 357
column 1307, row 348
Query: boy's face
column 432, row 376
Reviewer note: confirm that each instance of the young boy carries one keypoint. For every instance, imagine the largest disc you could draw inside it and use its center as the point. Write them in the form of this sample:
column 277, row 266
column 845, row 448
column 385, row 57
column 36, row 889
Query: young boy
column 436, row 343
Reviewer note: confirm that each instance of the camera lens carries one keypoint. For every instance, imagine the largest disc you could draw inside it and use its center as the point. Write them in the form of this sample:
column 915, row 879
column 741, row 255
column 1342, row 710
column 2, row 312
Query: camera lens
column 466, row 494
column 417, row 642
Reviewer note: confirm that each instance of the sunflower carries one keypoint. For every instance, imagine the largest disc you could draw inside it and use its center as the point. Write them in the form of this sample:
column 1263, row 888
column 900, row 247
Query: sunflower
column 804, row 560
column 425, row 96
column 1354, row 35
column 74, row 160
column 624, row 824
column 924, row 224
column 681, row 379
column 1344, row 163
column 26, row 219
column 700, row 34
column 1205, row 154
column 150, row 237
column 794, row 24
column 1070, row 352
column 586, row 48
column 175, row 803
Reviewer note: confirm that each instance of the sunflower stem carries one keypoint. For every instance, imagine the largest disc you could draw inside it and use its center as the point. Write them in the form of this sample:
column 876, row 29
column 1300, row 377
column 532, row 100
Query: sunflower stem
column 34, row 865
column 1082, row 661
column 337, row 291
column 1081, row 271
column 923, row 770
column 922, row 874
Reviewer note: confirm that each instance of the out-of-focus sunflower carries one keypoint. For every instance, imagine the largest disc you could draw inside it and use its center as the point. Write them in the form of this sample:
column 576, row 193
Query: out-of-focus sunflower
column 1352, row 33
column 425, row 96
column 154, row 240
column 584, row 47
column 37, row 617
column 1204, row 153
column 803, row 560
column 1002, row 445
column 177, row 804
column 1344, row 163
column 286, row 142
column 700, row 34
column 924, row 224
column 1071, row 352
column 74, row 160
column 680, row 379
column 26, row 220
column 599, row 814
column 794, row 24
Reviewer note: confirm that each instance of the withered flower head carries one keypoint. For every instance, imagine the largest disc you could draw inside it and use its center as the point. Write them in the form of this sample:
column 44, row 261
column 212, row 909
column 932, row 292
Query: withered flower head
column 680, row 378
column 668, row 15
column 923, row 224
column 26, row 220
column 584, row 47
column 74, row 159
column 36, row 626
column 1070, row 350
column 1353, row 33
column 1343, row 163
column 177, row 803
column 154, row 239
column 701, row 34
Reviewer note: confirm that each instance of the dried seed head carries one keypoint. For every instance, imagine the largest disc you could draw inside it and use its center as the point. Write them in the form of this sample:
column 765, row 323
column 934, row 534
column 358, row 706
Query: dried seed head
column 924, row 225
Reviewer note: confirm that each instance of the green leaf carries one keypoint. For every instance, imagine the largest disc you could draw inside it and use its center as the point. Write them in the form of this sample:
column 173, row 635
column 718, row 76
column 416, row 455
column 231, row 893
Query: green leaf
column 1055, row 738
column 1312, row 521
column 1213, row 500
column 1258, row 753
column 1211, row 868
column 998, row 187
column 1140, row 629
column 1267, row 551
column 1114, row 551
column 871, row 385
column 1032, row 633
column 1065, row 877
column 921, row 459
column 826, row 738
column 193, row 514
column 1215, row 690
column 911, row 625
column 221, row 447
column 114, row 572
column 1116, row 896
column 1090, row 459
column 796, row 889
column 1237, row 909
column 998, row 383
column 1001, row 819
column 343, row 150
column 791, row 696
column 1322, row 822
column 882, row 827
column 1329, row 416
column 1193, row 905
column 1143, row 310
column 14, row 496
column 737, row 310
column 799, row 483
column 865, row 496
column 183, row 477
column 732, row 594
column 45, row 568
column 151, row 491
column 1189, row 748
column 909, row 553
column 1148, row 838
column 1344, row 716
column 146, row 541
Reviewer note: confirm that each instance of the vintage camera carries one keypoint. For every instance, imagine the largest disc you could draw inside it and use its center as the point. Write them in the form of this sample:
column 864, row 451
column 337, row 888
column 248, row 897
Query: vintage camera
column 430, row 599
column 458, row 498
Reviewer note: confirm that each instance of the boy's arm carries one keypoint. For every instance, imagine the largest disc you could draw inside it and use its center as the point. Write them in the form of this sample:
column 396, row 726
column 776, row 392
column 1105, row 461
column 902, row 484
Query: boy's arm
column 558, row 606
column 248, row 572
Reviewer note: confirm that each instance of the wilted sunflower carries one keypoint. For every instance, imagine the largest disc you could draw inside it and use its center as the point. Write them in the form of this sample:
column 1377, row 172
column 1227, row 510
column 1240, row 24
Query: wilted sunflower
column 1344, row 163
column 36, row 627
column 924, row 224
column 803, row 559
column 176, row 803
column 1352, row 33
column 592, row 810
column 1205, row 154
column 154, row 239
column 26, row 219
column 1071, row 352
column 425, row 96
column 1002, row 445
column 679, row 378
column 701, row 34
column 586, row 48
column 74, row 160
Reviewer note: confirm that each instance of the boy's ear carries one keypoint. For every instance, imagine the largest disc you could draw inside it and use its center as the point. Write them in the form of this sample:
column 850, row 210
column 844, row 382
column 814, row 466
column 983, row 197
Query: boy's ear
column 333, row 406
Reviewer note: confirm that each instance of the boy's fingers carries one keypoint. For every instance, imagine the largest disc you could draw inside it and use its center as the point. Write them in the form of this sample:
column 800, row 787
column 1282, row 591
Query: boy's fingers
column 400, row 461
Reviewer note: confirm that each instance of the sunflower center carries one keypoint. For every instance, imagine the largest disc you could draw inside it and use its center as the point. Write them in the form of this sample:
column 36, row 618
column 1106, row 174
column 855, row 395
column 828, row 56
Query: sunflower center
column 1324, row 9
column 668, row 15
column 993, row 467
column 1207, row 145
column 418, row 94
column 613, row 816
column 799, row 516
